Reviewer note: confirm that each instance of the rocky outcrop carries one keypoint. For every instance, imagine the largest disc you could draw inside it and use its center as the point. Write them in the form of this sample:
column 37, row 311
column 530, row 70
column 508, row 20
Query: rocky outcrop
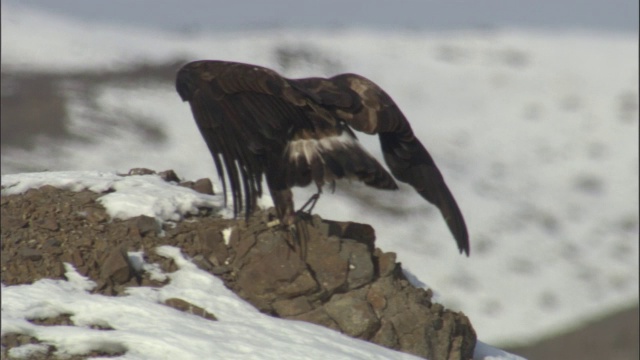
column 328, row 273
column 342, row 282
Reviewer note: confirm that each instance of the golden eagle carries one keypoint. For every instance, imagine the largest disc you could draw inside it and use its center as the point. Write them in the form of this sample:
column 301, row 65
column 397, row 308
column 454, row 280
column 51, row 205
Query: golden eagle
column 295, row 131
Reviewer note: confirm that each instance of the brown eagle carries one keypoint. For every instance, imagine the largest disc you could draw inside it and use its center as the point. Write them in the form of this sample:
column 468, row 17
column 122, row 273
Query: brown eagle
column 295, row 131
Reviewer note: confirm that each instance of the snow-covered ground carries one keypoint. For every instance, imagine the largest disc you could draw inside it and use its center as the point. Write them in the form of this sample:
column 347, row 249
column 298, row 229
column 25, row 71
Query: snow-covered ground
column 536, row 134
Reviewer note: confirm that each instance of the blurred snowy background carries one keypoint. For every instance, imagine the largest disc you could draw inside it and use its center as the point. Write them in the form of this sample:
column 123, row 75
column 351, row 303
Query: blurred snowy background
column 530, row 110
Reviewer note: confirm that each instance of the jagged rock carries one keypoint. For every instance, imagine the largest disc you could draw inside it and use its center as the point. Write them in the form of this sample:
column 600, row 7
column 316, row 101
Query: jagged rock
column 169, row 176
column 140, row 171
column 354, row 316
column 334, row 276
column 292, row 307
column 361, row 290
column 317, row 316
column 115, row 268
column 212, row 246
column 386, row 335
column 144, row 225
column 360, row 263
column 270, row 270
column 203, row 186
column 330, row 268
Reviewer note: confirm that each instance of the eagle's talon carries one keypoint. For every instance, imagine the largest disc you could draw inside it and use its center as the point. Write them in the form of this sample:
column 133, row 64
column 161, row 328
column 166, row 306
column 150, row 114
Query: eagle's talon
column 313, row 200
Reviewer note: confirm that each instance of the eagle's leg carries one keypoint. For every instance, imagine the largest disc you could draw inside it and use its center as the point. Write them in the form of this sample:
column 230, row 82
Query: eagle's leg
column 283, row 201
column 313, row 200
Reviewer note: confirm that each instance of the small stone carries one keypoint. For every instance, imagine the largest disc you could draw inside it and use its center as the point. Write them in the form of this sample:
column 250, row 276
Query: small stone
column 30, row 254
column 95, row 215
column 219, row 270
column 386, row 263
column 317, row 316
column 292, row 307
column 212, row 245
column 376, row 298
column 145, row 225
column 48, row 223
column 202, row 262
column 361, row 269
column 116, row 268
column 188, row 307
column 354, row 317
column 386, row 335
column 140, row 171
column 169, row 176
column 203, row 186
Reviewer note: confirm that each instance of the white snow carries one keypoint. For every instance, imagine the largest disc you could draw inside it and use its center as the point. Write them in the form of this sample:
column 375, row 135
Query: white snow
column 226, row 235
column 131, row 195
column 146, row 329
column 536, row 134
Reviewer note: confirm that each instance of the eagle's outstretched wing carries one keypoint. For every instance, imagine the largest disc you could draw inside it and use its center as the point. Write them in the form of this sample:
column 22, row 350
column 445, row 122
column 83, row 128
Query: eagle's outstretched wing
column 294, row 131
column 365, row 107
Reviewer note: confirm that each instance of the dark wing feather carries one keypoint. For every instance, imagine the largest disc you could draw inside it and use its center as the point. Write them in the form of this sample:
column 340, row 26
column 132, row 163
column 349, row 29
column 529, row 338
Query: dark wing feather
column 366, row 107
column 256, row 122
column 240, row 120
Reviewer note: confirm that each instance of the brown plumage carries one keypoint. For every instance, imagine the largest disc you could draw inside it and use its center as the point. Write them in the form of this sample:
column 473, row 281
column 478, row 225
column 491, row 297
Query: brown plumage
column 297, row 131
